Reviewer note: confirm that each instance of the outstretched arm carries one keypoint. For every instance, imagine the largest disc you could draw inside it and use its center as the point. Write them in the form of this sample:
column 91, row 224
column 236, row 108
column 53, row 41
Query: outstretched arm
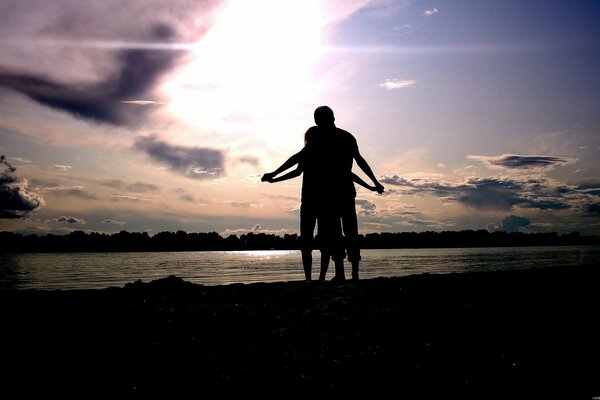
column 362, row 183
column 289, row 175
column 293, row 160
column 362, row 163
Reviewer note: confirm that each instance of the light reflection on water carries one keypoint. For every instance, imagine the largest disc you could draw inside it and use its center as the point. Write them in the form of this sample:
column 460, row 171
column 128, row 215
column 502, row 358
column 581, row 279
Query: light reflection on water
column 101, row 270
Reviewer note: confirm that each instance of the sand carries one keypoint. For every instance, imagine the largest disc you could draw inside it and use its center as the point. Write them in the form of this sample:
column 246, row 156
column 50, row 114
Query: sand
column 524, row 333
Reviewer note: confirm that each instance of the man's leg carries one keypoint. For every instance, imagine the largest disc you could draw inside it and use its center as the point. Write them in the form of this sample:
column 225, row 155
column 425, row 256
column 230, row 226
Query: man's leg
column 350, row 223
column 308, row 220
column 324, row 264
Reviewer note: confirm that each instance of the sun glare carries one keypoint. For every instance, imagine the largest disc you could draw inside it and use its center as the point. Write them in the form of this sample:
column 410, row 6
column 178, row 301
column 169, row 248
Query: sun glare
column 253, row 70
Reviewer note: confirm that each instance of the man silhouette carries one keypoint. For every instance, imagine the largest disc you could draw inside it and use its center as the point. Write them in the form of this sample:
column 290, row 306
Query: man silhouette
column 330, row 160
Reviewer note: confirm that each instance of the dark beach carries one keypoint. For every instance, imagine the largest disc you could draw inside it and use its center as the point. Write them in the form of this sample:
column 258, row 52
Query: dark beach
column 523, row 333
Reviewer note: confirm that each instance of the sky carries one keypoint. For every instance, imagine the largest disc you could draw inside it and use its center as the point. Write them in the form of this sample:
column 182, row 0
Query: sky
column 152, row 116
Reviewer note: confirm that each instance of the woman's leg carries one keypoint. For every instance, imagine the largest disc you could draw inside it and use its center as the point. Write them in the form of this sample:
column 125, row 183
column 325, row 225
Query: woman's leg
column 308, row 219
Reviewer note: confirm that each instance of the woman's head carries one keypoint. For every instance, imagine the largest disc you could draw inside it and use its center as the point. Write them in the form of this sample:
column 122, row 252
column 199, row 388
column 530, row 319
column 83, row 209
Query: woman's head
column 310, row 134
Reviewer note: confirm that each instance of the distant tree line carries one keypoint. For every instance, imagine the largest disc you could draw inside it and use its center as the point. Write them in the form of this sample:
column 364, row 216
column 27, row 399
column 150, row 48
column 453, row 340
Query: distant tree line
column 79, row 241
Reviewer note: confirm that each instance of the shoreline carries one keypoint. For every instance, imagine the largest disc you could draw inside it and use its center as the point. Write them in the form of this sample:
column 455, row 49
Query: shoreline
column 475, row 332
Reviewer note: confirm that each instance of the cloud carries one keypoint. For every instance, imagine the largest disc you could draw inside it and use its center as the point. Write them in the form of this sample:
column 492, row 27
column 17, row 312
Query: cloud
column 86, row 58
column 393, row 84
column 135, row 187
column 61, row 167
column 138, row 72
column 257, row 228
column 514, row 161
column 188, row 198
column 594, row 208
column 73, row 191
column 124, row 197
column 590, row 188
column 244, row 204
column 488, row 193
column 67, row 220
column 430, row 12
column 250, row 160
column 15, row 200
column 113, row 222
column 192, row 162
column 365, row 207
column 142, row 102
column 513, row 223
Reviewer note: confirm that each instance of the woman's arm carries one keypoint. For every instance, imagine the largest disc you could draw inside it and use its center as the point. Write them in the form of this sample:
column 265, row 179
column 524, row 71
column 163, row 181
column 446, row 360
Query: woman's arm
column 293, row 160
column 289, row 175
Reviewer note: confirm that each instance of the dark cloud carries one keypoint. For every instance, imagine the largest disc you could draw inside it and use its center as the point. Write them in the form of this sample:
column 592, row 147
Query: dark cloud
column 67, row 220
column 488, row 193
column 513, row 223
column 395, row 180
column 523, row 162
column 113, row 222
column 86, row 57
column 594, row 208
column 15, row 200
column 591, row 188
column 193, row 162
column 137, row 73
column 365, row 207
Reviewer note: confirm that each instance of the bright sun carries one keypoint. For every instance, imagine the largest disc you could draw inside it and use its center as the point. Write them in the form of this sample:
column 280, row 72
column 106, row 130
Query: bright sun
column 253, row 70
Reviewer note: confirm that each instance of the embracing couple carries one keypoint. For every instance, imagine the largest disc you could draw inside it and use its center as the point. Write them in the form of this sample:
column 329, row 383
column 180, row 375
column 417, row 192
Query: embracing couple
column 328, row 194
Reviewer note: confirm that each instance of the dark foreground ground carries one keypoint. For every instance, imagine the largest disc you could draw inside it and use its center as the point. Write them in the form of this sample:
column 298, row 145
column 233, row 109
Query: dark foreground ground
column 528, row 333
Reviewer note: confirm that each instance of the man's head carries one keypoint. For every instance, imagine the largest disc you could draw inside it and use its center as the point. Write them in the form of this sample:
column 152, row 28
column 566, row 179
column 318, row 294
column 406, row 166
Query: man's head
column 324, row 117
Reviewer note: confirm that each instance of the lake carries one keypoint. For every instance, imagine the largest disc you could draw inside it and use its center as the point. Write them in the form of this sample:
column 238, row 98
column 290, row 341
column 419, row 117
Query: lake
column 102, row 270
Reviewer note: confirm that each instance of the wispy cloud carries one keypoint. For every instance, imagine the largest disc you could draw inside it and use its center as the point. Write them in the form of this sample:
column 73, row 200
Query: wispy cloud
column 142, row 102
column 73, row 191
column 134, row 187
column 514, row 161
column 61, row 167
column 125, row 197
column 430, row 12
column 113, row 222
column 394, row 84
column 257, row 228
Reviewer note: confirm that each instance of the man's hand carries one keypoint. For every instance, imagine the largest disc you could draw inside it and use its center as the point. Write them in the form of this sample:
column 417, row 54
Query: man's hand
column 379, row 188
column 268, row 177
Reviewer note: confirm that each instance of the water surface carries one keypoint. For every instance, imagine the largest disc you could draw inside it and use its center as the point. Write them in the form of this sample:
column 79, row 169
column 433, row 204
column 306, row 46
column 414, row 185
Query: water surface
column 101, row 270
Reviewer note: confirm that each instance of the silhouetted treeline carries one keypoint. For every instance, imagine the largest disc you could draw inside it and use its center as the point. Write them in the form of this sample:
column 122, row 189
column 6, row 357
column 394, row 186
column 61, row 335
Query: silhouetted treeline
column 182, row 241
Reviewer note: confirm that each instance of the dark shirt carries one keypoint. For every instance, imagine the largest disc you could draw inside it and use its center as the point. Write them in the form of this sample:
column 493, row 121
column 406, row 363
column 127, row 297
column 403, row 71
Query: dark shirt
column 327, row 161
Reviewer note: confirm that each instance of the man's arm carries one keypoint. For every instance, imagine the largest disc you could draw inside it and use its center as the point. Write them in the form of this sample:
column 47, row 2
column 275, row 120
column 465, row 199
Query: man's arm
column 293, row 160
column 362, row 163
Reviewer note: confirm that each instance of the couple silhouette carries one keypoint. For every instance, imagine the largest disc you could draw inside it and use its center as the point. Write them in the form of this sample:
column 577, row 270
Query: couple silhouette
column 328, row 194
